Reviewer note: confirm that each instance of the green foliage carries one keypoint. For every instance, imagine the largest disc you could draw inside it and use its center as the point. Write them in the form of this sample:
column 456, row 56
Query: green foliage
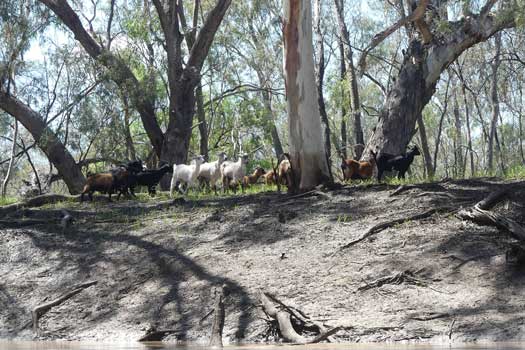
column 7, row 200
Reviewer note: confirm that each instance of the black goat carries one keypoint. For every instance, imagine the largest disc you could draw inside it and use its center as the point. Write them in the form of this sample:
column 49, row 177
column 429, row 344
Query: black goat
column 389, row 162
column 123, row 184
column 151, row 178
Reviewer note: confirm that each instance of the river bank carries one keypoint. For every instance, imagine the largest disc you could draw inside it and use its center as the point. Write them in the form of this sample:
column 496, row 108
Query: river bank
column 432, row 277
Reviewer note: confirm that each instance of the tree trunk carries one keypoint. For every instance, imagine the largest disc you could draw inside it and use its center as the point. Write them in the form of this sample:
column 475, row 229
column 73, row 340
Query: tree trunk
column 183, row 77
column 494, row 101
column 203, row 126
column 355, row 104
column 520, row 122
column 47, row 141
column 418, row 75
column 270, row 119
column 306, row 140
column 11, row 161
column 320, row 78
column 425, row 148
column 342, row 71
column 458, row 143
column 440, row 129
column 130, row 148
column 469, row 133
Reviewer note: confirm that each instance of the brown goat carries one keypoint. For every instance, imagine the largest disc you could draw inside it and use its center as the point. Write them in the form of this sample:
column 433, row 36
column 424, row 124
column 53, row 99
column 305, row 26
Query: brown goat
column 285, row 175
column 252, row 179
column 98, row 182
column 269, row 177
column 116, row 180
column 354, row 170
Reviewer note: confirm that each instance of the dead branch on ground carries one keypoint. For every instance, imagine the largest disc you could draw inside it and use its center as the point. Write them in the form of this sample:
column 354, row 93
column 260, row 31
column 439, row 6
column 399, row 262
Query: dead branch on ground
column 40, row 310
column 382, row 226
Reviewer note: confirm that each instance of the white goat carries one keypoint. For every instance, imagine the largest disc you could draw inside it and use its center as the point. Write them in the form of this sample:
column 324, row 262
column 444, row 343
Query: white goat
column 211, row 172
column 186, row 174
column 233, row 172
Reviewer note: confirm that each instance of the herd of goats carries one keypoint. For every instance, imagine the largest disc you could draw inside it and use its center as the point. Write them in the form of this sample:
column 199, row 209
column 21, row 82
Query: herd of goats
column 124, row 178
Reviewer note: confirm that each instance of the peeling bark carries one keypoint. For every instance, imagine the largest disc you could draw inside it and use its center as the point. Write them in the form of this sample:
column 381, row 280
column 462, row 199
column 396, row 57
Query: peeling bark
column 11, row 160
column 307, row 149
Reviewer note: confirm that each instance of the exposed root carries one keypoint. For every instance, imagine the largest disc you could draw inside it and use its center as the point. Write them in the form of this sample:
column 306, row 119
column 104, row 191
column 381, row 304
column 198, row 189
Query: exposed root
column 382, row 226
column 154, row 335
column 481, row 215
column 40, row 310
column 218, row 319
column 284, row 314
column 407, row 276
column 428, row 316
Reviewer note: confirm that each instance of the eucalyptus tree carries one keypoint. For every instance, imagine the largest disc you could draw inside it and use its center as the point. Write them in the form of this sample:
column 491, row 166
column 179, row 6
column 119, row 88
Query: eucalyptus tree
column 186, row 43
column 21, row 23
column 307, row 151
column 429, row 52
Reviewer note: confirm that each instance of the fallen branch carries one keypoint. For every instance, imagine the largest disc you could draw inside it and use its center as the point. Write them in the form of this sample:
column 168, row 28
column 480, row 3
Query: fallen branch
column 382, row 226
column 40, row 310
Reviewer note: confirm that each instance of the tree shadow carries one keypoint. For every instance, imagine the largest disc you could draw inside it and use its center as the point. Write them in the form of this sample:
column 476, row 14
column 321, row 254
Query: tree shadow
column 172, row 266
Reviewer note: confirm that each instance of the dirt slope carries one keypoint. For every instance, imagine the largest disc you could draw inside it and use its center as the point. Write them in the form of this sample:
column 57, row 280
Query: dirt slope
column 156, row 266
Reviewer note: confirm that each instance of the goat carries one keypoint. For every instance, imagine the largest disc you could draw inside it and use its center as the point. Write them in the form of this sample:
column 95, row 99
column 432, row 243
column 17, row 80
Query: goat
column 252, row 179
column 233, row 172
column 151, row 178
column 103, row 182
column 211, row 172
column 270, row 177
column 125, row 177
column 389, row 162
column 116, row 179
column 357, row 170
column 186, row 174
column 285, row 174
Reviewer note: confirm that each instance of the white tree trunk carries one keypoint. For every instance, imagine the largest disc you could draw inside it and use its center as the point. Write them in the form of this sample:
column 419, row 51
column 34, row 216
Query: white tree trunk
column 307, row 149
column 11, row 161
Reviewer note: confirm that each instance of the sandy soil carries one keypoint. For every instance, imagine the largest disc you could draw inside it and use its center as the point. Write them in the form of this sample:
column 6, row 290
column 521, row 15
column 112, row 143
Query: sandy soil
column 156, row 266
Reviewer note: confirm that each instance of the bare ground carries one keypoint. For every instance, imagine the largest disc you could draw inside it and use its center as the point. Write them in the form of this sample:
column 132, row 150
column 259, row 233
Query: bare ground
column 438, row 278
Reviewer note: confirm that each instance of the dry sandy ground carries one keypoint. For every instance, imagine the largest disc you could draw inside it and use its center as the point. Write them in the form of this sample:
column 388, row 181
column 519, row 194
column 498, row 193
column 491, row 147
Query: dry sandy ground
column 156, row 266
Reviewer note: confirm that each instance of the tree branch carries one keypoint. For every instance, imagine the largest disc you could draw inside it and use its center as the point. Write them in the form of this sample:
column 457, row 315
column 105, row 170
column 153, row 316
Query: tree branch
column 417, row 14
column 205, row 37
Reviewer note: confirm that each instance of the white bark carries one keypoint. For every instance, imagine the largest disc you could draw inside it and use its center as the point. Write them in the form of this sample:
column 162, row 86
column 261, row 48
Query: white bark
column 307, row 149
column 11, row 161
